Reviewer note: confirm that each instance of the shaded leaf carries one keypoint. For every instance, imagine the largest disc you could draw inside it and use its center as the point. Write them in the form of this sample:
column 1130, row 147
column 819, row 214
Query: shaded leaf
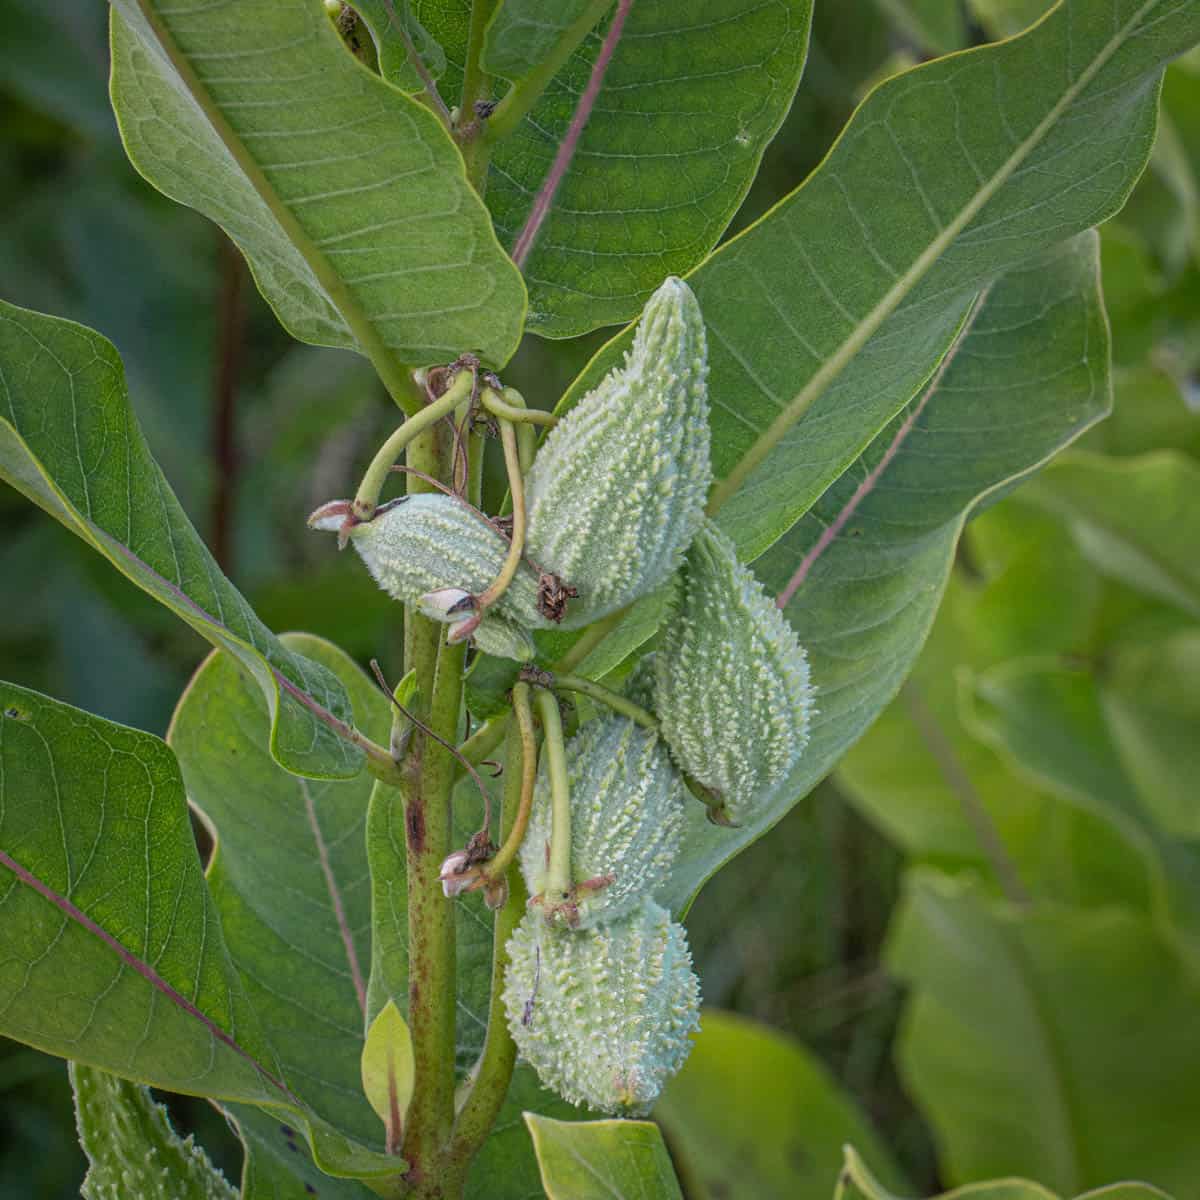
column 352, row 206
column 398, row 36
column 1029, row 376
column 602, row 1160
column 69, row 442
column 522, row 33
column 752, row 1113
column 935, row 25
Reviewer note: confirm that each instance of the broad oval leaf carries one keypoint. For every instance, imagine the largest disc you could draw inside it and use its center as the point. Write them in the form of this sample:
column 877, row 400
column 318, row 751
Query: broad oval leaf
column 348, row 198
column 69, row 442
column 828, row 315
column 862, row 575
column 692, row 96
column 752, row 1113
column 1028, row 1049
column 602, row 1160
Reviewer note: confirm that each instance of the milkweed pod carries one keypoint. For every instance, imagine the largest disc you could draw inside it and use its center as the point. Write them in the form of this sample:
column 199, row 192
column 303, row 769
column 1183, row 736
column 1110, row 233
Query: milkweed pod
column 626, row 823
column 617, row 490
column 603, row 1015
column 732, row 689
column 434, row 551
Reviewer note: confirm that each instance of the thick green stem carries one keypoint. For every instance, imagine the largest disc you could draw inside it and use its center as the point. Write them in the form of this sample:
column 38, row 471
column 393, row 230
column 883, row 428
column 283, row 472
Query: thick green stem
column 504, row 406
column 516, row 545
column 558, row 872
column 601, row 694
column 477, row 86
column 493, row 1072
column 526, row 92
column 367, row 496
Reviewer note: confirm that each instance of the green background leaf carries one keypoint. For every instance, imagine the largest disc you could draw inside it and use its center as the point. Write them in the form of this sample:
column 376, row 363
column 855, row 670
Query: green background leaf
column 522, row 33
column 69, row 442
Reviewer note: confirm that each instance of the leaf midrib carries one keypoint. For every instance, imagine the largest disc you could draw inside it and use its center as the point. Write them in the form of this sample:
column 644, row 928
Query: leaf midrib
column 841, row 358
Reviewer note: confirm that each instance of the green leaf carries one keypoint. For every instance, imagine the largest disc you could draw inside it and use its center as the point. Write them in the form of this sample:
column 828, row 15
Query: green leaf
column 1006, row 18
column 348, row 198
column 935, row 25
column 132, row 1148
column 1028, row 377
column 602, row 1160
column 388, row 1072
column 887, row 243
column 70, row 443
column 1133, row 518
column 288, row 877
column 115, row 952
column 753, row 1113
column 395, row 29
column 691, row 98
column 522, row 33
column 1029, row 1033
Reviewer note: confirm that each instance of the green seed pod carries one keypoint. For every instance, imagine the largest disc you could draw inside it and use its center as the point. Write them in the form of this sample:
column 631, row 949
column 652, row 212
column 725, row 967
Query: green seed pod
column 617, row 491
column 604, row 1015
column 732, row 690
column 424, row 548
column 626, row 822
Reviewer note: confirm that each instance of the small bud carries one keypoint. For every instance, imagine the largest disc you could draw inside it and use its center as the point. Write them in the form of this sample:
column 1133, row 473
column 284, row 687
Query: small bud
column 451, row 605
column 626, row 823
column 495, row 893
column 732, row 688
column 617, row 490
column 604, row 1016
column 457, row 873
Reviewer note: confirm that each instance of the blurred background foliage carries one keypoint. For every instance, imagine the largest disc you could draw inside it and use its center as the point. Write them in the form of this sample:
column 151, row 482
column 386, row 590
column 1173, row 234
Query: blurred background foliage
column 985, row 927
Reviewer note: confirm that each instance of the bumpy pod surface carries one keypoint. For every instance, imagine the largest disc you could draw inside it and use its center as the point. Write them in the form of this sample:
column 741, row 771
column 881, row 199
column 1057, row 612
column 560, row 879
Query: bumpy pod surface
column 429, row 542
column 603, row 1015
column 732, row 689
column 618, row 488
column 626, row 822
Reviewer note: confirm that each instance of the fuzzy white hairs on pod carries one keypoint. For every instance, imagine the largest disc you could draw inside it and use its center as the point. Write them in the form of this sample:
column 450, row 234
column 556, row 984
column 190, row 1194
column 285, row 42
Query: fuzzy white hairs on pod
column 617, row 491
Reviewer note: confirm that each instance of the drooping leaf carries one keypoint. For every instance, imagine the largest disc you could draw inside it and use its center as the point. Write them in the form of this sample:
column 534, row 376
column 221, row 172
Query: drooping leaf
column 115, row 954
column 602, row 1160
column 1053, row 1043
column 1028, row 377
column 522, row 33
column 132, row 1148
column 288, row 877
column 752, row 1113
column 70, row 443
column 888, row 241
column 352, row 204
column 691, row 98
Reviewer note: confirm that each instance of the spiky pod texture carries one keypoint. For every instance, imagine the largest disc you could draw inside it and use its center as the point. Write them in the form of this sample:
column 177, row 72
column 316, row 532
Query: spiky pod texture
column 432, row 541
column 132, row 1148
column 617, row 490
column 732, row 689
column 626, row 821
column 603, row 1015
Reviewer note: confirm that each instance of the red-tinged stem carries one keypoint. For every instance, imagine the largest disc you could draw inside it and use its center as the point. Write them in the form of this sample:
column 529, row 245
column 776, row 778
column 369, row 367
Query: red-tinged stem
column 864, row 489
column 147, row 972
column 566, row 150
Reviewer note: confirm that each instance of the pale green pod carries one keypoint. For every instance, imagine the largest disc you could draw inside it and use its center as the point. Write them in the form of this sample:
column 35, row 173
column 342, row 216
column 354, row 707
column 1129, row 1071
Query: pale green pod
column 732, row 690
column 627, row 809
column 603, row 1015
column 132, row 1149
column 431, row 543
column 617, row 490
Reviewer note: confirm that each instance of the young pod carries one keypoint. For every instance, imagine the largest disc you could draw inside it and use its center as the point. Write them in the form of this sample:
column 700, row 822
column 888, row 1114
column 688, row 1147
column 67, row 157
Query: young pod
column 618, row 488
column 626, row 822
column 603, row 1015
column 434, row 551
column 732, row 689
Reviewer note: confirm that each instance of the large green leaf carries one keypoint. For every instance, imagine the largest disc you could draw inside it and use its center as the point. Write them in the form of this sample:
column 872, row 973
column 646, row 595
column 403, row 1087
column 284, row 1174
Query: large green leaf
column 348, row 198
column 1134, row 518
column 1056, row 1043
column 827, row 316
column 288, row 877
column 753, row 1114
column 115, row 954
column 602, row 1160
column 692, row 96
column 1029, row 376
column 69, row 441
